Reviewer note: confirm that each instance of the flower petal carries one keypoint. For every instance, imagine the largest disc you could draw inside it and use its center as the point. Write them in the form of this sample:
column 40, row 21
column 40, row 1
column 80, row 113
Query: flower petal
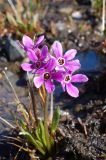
column 50, row 87
column 57, row 49
column 26, row 66
column 27, row 42
column 38, row 81
column 39, row 41
column 38, row 53
column 59, row 68
column 40, row 71
column 73, row 65
column 51, row 64
column 63, row 86
column 70, row 54
column 32, row 55
column 58, row 76
column 44, row 52
column 72, row 90
column 79, row 78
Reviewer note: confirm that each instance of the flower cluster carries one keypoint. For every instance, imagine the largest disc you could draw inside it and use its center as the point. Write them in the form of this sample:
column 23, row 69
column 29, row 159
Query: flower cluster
column 52, row 66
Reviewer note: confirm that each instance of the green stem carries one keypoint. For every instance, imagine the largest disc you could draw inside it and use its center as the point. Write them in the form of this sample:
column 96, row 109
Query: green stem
column 46, row 123
column 51, row 108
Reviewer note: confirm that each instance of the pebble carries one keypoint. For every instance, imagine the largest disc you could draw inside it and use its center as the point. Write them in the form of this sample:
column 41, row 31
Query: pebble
column 64, row 113
column 60, row 26
column 77, row 15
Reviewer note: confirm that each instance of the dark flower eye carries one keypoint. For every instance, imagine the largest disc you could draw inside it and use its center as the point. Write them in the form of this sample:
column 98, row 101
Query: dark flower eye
column 38, row 64
column 67, row 78
column 46, row 76
column 61, row 61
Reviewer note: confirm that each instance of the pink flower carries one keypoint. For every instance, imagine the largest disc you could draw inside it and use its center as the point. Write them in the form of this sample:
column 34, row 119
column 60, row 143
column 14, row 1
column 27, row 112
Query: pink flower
column 28, row 43
column 69, row 79
column 49, row 68
column 47, row 75
column 65, row 61
column 37, row 58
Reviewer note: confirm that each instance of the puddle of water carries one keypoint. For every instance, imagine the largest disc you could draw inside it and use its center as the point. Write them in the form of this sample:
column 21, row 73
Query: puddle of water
column 91, row 62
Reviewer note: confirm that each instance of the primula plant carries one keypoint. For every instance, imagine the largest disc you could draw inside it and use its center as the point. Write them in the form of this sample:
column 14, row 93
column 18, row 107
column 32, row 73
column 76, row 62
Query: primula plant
column 46, row 66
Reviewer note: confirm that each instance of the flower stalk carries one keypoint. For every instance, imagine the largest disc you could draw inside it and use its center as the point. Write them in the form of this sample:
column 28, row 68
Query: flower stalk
column 46, row 123
column 51, row 108
column 33, row 103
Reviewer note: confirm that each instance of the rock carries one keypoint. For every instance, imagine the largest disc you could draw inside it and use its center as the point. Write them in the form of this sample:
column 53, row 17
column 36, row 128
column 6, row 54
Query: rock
column 10, row 49
column 15, row 52
column 3, row 59
column 77, row 15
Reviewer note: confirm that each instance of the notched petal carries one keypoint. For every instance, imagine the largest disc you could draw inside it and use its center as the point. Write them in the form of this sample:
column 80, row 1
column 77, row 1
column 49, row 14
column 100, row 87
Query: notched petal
column 57, row 49
column 72, row 90
column 26, row 66
column 79, row 78
column 70, row 54
column 27, row 42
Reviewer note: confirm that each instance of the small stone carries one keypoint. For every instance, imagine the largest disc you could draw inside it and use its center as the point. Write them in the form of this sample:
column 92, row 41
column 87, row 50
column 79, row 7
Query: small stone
column 77, row 15
column 60, row 26
column 64, row 113
column 80, row 44
column 69, row 30
column 104, row 50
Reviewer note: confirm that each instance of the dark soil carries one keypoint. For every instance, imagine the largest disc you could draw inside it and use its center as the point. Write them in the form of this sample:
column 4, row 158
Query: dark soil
column 8, row 151
column 81, row 135
column 85, row 138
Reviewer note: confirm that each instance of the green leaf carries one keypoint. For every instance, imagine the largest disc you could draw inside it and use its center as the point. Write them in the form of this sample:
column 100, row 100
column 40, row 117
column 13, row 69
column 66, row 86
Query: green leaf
column 30, row 138
column 43, row 133
column 11, row 19
column 22, row 25
column 55, row 121
column 39, row 143
column 23, row 124
column 40, row 133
